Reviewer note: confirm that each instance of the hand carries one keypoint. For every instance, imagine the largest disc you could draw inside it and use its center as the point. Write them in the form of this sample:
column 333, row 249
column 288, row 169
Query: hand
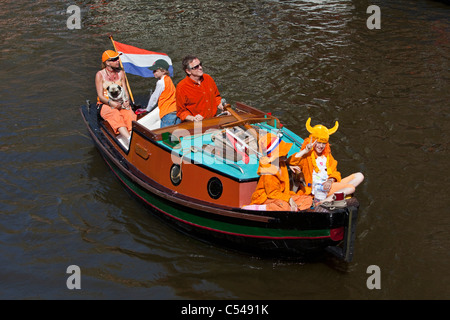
column 309, row 146
column 295, row 169
column 306, row 150
column 327, row 185
column 114, row 104
column 293, row 205
column 141, row 110
column 126, row 104
column 198, row 117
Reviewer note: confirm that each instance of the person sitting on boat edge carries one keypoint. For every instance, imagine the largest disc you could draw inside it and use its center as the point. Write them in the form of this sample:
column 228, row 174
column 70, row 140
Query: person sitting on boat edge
column 319, row 167
column 273, row 191
column 164, row 95
column 119, row 115
column 197, row 95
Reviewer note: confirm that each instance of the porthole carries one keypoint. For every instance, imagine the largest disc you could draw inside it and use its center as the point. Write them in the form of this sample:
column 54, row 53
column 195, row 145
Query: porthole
column 175, row 174
column 215, row 188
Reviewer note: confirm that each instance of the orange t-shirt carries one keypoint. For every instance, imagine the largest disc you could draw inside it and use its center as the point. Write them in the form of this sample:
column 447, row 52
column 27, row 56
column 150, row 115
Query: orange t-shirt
column 194, row 98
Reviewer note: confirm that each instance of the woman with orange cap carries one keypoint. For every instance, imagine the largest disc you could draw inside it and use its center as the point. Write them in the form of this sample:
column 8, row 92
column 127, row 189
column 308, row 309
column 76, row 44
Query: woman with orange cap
column 319, row 167
column 119, row 115
column 273, row 188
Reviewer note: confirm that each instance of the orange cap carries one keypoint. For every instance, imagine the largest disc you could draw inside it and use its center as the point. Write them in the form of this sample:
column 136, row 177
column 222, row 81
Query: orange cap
column 109, row 54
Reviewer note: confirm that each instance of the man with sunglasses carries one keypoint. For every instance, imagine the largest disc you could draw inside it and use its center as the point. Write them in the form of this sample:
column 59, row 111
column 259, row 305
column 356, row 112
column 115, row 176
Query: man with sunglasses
column 197, row 95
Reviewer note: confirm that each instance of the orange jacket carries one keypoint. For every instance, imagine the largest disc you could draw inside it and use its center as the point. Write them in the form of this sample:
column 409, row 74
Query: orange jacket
column 272, row 183
column 305, row 164
column 166, row 101
column 193, row 98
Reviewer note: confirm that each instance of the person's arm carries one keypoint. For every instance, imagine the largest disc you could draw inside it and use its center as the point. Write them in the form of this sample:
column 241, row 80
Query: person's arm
column 153, row 102
column 182, row 112
column 333, row 172
column 126, row 96
column 217, row 96
column 306, row 150
column 99, row 88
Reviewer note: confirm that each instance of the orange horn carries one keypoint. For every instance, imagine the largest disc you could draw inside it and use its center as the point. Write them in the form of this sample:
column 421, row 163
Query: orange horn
column 334, row 129
column 308, row 125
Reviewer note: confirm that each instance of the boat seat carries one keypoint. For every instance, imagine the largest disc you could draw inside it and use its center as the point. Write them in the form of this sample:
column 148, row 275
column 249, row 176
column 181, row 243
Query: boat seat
column 151, row 121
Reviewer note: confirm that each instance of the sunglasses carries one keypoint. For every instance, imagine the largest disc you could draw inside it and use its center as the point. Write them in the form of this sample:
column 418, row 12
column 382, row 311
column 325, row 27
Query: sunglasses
column 114, row 59
column 196, row 67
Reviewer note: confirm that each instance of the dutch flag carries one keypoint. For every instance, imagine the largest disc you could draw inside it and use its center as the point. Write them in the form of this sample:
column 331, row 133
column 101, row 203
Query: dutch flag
column 137, row 61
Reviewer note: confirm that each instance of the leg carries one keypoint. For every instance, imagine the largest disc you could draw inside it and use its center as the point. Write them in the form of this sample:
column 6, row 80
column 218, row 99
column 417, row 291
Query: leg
column 354, row 179
column 303, row 201
column 277, row 205
column 128, row 117
column 347, row 185
column 115, row 119
column 124, row 132
column 169, row 119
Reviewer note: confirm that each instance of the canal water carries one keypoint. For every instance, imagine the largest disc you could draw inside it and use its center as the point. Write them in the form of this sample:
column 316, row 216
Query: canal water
column 388, row 87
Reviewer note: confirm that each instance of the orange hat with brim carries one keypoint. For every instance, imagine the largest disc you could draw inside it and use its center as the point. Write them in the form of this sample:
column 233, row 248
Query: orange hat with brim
column 110, row 54
column 273, row 147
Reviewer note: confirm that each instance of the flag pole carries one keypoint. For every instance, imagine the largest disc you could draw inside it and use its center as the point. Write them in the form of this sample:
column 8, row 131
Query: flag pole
column 126, row 79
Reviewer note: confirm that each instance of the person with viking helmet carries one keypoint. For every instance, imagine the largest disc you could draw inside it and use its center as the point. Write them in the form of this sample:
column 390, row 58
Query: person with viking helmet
column 273, row 190
column 318, row 166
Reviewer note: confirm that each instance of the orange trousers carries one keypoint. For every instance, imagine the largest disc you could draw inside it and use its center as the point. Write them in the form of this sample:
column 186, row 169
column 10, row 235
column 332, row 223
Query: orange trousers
column 118, row 117
column 303, row 202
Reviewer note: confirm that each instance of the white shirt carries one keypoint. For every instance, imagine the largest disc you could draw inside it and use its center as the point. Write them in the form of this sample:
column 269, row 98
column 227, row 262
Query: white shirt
column 153, row 102
column 322, row 175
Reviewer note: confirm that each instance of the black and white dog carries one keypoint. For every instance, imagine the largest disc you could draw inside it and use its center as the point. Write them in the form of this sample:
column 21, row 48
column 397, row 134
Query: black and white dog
column 116, row 93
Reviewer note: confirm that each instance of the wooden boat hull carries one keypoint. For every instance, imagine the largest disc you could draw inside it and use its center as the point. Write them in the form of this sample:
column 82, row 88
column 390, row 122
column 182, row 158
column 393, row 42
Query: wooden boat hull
column 276, row 234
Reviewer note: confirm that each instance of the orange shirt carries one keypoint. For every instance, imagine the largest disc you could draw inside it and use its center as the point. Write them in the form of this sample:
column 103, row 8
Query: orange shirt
column 194, row 98
column 273, row 183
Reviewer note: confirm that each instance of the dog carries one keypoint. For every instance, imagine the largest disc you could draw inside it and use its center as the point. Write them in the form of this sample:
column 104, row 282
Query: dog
column 116, row 93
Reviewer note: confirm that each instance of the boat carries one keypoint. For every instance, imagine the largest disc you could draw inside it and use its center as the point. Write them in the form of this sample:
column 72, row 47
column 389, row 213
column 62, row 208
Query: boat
column 190, row 176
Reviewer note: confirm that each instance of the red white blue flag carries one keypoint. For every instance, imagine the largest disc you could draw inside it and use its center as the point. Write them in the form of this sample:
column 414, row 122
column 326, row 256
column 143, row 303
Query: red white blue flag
column 137, row 61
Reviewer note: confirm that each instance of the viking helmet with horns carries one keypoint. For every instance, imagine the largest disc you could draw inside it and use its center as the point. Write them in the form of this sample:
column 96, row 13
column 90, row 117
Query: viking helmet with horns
column 319, row 132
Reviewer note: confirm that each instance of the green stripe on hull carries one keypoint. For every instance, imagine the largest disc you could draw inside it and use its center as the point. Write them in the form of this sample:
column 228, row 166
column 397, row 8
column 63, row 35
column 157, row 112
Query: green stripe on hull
column 218, row 226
